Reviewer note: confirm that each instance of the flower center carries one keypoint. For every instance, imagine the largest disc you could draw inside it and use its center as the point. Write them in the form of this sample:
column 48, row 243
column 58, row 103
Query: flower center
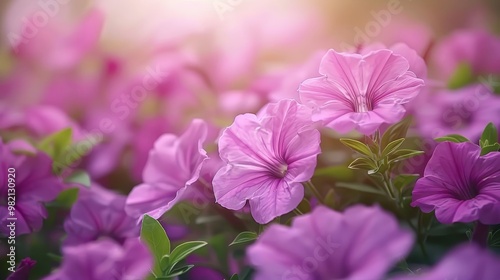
column 467, row 191
column 279, row 171
column 361, row 104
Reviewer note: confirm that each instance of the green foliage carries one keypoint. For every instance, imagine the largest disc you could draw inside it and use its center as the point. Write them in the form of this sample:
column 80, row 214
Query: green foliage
column 379, row 156
column 403, row 180
column 455, row 138
column 166, row 262
column 183, row 250
column 462, row 76
column 338, row 172
column 64, row 153
column 357, row 146
column 330, row 198
column 79, row 177
column 66, row 198
column 392, row 147
column 363, row 163
column 155, row 237
column 244, row 237
column 489, row 140
column 360, row 188
column 402, row 154
column 56, row 144
column 494, row 239
column 395, row 132
column 381, row 153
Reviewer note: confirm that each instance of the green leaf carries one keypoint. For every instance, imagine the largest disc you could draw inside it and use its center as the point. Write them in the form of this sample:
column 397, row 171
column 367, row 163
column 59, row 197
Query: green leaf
column 396, row 131
column 489, row 134
column 218, row 243
column 165, row 264
column 392, row 147
column 178, row 271
column 338, row 172
column 244, row 237
column 452, row 138
column 462, row 76
column 304, row 206
column 155, row 237
column 56, row 144
column 182, row 251
column 357, row 146
column 402, row 181
column 66, row 198
column 79, row 177
column 490, row 148
column 363, row 163
column 403, row 154
column 235, row 277
column 360, row 188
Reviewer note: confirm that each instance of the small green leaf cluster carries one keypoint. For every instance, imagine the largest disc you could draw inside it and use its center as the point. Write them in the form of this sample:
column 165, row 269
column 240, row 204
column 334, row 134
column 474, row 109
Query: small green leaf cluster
column 488, row 142
column 166, row 263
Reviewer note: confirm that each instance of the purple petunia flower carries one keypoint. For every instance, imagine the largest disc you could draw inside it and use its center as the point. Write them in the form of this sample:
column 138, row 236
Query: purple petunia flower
column 33, row 184
column 361, row 243
column 104, row 259
column 360, row 92
column 267, row 157
column 99, row 213
column 466, row 262
column 460, row 185
column 465, row 111
column 173, row 166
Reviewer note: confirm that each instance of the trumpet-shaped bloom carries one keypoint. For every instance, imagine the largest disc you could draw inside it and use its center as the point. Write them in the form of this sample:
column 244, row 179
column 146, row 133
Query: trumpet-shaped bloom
column 466, row 262
column 34, row 184
column 174, row 164
column 267, row 156
column 460, row 185
column 360, row 92
column 104, row 259
column 361, row 243
column 97, row 213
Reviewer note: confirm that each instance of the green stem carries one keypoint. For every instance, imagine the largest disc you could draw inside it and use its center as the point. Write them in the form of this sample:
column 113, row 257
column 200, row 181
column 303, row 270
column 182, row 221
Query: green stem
column 261, row 228
column 298, row 212
column 421, row 237
column 388, row 185
column 314, row 191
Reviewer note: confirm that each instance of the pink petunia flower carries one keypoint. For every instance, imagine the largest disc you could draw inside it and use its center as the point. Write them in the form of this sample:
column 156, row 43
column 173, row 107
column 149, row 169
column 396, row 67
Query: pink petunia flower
column 99, row 213
column 460, row 185
column 173, row 166
column 466, row 262
column 361, row 243
column 360, row 92
column 267, row 156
